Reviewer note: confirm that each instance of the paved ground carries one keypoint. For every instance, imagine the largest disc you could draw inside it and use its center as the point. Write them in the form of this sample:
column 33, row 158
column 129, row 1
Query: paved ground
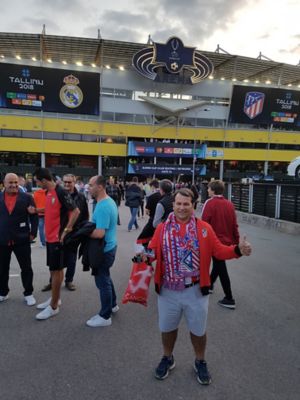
column 252, row 353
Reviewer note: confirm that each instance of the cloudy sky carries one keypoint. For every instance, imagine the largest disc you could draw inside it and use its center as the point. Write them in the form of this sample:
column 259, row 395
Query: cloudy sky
column 243, row 27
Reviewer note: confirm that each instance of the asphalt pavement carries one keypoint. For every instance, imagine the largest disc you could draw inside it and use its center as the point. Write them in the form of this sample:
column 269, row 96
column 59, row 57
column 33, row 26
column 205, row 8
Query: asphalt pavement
column 252, row 352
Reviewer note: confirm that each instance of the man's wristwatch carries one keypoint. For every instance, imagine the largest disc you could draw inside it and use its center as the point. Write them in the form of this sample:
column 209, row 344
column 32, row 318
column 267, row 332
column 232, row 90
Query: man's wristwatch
column 67, row 229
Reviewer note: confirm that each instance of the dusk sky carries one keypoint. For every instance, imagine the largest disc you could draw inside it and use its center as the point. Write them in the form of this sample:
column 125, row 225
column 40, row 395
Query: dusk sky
column 244, row 28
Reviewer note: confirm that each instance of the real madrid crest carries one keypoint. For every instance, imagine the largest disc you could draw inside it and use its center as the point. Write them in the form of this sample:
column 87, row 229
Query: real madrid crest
column 70, row 94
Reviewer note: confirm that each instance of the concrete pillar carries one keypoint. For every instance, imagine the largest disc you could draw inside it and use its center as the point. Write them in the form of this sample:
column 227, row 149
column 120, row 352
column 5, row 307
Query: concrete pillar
column 99, row 165
column 43, row 160
column 221, row 169
column 266, row 167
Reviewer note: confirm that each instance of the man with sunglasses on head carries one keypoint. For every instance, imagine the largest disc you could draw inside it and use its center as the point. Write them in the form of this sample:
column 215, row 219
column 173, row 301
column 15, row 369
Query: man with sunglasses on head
column 70, row 255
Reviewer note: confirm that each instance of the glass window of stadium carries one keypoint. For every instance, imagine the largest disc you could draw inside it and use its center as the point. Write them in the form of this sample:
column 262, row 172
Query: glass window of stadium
column 71, row 161
column 79, row 165
column 32, row 134
column 18, row 163
column 107, row 116
column 10, row 133
column 244, row 166
column 53, row 135
column 19, row 159
column 90, row 138
column 109, row 162
column 72, row 136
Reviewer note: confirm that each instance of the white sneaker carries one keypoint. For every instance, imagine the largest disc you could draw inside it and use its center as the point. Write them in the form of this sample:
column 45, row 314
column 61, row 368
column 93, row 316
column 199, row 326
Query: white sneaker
column 115, row 309
column 94, row 317
column 96, row 321
column 30, row 300
column 3, row 298
column 47, row 303
column 48, row 312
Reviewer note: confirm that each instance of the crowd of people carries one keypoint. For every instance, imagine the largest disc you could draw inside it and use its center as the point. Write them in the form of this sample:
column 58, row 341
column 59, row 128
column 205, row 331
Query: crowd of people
column 180, row 245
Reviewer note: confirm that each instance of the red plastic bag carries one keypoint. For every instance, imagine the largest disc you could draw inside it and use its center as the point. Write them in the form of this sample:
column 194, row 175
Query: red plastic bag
column 138, row 286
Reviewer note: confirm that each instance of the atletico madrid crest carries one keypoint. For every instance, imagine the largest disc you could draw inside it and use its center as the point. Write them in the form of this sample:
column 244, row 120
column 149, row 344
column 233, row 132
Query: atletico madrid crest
column 254, row 103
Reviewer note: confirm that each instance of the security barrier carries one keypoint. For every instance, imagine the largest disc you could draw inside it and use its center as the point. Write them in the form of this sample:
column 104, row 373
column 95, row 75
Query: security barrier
column 280, row 201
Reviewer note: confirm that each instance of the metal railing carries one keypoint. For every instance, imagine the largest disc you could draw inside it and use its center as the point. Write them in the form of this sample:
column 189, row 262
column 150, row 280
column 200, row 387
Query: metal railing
column 280, row 201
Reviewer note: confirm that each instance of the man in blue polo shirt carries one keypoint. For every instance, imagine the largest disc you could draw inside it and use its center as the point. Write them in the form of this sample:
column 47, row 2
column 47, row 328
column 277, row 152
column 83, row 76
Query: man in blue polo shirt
column 105, row 217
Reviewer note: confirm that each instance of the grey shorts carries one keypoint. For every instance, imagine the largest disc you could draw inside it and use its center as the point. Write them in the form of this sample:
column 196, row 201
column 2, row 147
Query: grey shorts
column 190, row 302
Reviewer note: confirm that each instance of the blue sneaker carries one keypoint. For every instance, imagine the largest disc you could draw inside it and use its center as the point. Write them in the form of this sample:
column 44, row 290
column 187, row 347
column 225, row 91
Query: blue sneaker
column 203, row 376
column 166, row 364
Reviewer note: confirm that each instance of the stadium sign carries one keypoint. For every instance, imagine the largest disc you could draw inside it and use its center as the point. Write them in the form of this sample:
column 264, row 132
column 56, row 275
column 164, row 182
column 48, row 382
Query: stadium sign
column 49, row 89
column 166, row 169
column 159, row 149
column 262, row 105
column 160, row 61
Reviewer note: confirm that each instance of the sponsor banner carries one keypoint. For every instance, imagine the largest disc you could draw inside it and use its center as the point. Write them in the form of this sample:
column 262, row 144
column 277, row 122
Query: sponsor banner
column 261, row 105
column 151, row 169
column 49, row 89
column 214, row 153
column 158, row 149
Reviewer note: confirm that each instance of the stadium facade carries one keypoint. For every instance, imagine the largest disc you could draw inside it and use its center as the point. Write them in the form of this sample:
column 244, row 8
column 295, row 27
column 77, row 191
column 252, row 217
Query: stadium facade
column 118, row 108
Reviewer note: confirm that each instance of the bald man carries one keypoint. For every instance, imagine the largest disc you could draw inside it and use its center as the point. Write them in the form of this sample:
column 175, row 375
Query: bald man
column 18, row 227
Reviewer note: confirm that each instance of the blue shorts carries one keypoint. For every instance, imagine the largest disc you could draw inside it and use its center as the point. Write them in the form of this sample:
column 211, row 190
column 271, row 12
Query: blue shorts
column 190, row 302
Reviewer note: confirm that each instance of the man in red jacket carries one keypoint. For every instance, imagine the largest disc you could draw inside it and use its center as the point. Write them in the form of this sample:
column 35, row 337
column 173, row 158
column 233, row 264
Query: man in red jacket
column 220, row 214
column 183, row 247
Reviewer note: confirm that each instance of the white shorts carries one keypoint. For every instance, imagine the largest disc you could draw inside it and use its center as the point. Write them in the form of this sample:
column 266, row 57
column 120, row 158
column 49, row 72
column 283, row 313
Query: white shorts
column 190, row 302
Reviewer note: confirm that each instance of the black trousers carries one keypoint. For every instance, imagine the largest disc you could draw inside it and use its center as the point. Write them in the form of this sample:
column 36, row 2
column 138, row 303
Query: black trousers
column 23, row 255
column 220, row 270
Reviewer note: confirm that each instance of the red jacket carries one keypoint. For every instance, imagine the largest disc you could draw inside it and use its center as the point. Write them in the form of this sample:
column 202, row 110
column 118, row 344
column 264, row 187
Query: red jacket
column 209, row 246
column 220, row 214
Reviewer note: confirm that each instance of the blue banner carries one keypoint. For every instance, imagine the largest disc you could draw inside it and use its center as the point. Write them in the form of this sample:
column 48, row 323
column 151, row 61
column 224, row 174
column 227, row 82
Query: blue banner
column 158, row 149
column 151, row 169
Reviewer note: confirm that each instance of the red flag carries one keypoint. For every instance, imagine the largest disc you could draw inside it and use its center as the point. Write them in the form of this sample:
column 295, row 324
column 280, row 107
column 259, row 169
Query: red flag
column 138, row 286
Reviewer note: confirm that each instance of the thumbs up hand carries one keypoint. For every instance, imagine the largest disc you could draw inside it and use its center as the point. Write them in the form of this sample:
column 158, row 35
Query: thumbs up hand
column 245, row 247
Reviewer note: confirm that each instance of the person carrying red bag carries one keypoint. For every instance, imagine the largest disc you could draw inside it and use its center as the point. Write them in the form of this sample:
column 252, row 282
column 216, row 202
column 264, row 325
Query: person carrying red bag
column 183, row 247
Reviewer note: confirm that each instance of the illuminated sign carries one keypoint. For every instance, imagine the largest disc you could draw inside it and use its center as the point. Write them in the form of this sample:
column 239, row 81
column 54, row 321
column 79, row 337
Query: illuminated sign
column 169, row 169
column 159, row 149
column 171, row 59
column 49, row 89
column 262, row 105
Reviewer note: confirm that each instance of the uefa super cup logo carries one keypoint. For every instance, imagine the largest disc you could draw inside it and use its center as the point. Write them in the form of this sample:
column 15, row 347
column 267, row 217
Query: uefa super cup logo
column 70, row 94
column 174, row 45
column 174, row 57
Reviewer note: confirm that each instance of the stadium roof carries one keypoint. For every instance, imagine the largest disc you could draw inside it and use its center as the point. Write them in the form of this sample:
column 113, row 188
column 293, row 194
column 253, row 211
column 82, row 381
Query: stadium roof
column 101, row 52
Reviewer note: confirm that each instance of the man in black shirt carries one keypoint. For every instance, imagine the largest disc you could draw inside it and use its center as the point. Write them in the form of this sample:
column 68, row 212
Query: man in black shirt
column 113, row 191
column 70, row 255
column 165, row 205
column 148, row 231
column 133, row 200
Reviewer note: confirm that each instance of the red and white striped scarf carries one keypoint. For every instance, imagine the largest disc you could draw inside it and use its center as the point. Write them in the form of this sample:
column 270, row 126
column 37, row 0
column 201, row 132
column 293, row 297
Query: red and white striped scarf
column 180, row 254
